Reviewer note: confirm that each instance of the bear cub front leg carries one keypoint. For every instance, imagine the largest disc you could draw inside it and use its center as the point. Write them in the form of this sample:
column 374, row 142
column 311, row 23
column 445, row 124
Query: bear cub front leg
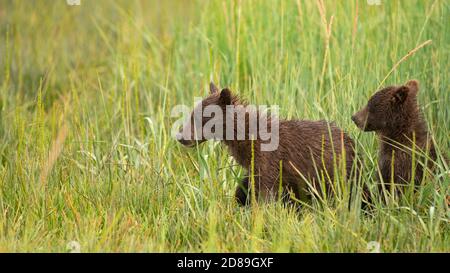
column 242, row 192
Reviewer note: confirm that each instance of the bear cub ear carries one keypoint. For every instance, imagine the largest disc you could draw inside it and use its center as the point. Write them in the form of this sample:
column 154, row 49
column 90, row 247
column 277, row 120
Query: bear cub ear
column 213, row 88
column 409, row 89
column 225, row 97
column 413, row 86
column 400, row 94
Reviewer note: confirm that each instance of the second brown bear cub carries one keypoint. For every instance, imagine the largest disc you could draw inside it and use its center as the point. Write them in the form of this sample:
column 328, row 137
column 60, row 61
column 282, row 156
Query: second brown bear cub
column 308, row 150
column 393, row 113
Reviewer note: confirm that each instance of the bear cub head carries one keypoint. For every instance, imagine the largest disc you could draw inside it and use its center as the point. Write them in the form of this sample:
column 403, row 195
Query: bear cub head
column 192, row 131
column 390, row 109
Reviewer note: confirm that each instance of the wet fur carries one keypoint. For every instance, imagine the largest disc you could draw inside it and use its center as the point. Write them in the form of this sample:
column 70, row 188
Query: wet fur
column 309, row 147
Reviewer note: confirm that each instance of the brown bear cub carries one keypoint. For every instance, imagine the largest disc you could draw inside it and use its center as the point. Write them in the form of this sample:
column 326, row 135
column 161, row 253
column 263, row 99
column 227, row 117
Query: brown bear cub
column 309, row 152
column 393, row 113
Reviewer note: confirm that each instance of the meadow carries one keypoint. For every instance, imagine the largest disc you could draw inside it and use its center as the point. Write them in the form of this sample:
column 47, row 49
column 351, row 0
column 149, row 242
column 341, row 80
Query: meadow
column 86, row 93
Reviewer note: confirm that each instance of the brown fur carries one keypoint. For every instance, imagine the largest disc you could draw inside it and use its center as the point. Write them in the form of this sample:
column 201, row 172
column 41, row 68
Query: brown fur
column 393, row 113
column 304, row 146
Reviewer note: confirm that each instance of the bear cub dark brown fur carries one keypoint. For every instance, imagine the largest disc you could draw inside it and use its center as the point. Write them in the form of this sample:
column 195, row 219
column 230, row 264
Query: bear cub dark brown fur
column 310, row 148
column 393, row 113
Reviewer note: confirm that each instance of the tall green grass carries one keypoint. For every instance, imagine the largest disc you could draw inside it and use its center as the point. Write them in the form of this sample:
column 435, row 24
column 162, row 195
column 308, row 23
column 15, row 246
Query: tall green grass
column 85, row 97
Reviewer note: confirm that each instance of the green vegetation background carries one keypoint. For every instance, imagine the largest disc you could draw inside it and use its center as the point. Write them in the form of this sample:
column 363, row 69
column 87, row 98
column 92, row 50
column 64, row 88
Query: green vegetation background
column 85, row 97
